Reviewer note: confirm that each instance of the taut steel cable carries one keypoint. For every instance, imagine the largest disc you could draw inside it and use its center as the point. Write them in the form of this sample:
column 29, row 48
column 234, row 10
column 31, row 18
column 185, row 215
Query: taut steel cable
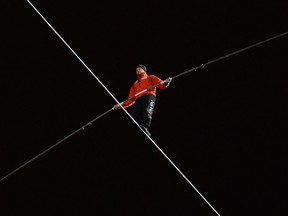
column 39, row 155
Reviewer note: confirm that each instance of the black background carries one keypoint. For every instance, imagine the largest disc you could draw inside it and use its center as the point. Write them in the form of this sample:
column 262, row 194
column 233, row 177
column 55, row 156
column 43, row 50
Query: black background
column 224, row 126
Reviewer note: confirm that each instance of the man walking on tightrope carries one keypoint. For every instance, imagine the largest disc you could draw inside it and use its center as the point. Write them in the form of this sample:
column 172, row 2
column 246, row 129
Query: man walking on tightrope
column 144, row 102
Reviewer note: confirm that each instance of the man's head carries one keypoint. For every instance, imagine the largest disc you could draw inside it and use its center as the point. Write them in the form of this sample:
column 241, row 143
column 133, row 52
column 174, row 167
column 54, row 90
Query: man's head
column 140, row 69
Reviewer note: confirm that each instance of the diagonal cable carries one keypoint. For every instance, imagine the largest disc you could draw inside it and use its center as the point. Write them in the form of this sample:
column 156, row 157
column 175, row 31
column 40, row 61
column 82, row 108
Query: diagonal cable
column 22, row 166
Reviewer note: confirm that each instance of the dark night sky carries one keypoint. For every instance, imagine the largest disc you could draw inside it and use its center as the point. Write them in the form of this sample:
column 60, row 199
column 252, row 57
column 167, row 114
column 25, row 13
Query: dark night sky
column 224, row 126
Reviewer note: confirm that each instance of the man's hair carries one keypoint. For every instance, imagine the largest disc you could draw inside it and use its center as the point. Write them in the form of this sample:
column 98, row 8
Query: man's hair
column 141, row 66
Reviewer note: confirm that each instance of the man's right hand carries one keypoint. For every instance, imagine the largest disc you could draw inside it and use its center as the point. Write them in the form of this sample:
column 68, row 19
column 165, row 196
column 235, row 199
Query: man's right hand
column 117, row 107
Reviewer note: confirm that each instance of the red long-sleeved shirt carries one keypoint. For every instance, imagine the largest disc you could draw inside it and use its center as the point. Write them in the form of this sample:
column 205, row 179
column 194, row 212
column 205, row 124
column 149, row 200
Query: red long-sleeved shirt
column 144, row 81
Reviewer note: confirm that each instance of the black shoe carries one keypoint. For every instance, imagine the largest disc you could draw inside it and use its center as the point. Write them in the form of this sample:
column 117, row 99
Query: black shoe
column 146, row 131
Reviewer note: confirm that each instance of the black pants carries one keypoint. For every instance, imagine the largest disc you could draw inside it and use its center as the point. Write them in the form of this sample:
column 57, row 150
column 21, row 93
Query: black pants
column 142, row 110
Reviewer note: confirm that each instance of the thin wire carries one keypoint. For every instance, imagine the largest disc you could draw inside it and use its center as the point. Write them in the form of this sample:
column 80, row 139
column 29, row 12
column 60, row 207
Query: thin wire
column 53, row 146
column 230, row 54
column 73, row 133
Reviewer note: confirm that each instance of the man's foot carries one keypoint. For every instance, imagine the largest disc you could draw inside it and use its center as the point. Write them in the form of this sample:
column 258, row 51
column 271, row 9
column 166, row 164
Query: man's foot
column 146, row 131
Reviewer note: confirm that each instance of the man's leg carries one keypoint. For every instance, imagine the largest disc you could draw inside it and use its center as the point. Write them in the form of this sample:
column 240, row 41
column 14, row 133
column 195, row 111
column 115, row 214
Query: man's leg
column 147, row 111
